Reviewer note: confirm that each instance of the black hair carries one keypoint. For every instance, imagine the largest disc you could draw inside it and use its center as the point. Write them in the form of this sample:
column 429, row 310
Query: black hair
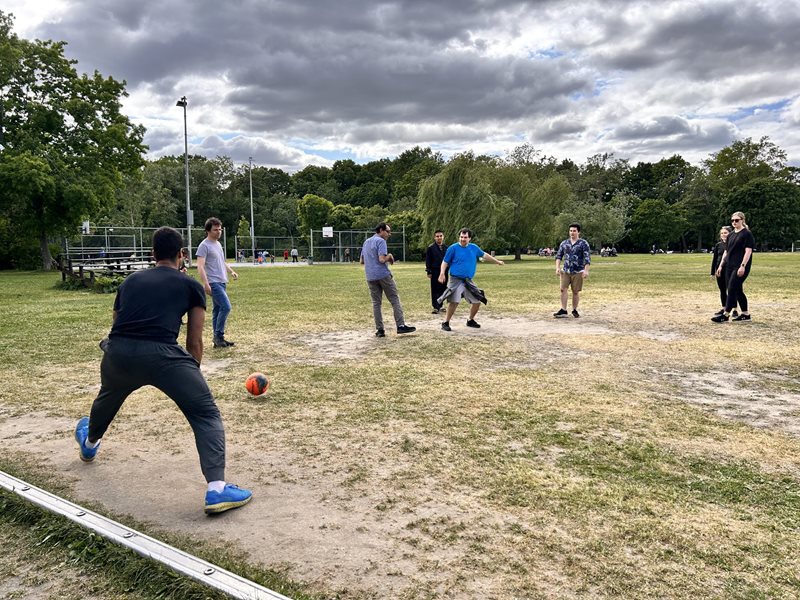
column 575, row 225
column 438, row 231
column 467, row 231
column 167, row 243
column 212, row 222
column 381, row 227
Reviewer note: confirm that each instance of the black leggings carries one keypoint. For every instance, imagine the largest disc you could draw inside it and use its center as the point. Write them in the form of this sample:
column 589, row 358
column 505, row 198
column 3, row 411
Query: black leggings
column 736, row 290
column 722, row 284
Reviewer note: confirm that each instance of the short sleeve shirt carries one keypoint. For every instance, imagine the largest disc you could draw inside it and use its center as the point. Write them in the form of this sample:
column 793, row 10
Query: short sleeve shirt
column 151, row 303
column 215, row 261
column 575, row 256
column 463, row 260
column 737, row 243
column 373, row 248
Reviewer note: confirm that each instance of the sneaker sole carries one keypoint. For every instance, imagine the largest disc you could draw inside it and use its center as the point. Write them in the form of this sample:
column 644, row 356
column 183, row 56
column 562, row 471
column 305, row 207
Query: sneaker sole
column 561, row 316
column 213, row 509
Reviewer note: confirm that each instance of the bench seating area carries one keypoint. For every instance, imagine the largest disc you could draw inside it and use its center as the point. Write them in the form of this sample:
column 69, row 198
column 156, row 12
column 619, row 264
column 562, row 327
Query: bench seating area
column 85, row 268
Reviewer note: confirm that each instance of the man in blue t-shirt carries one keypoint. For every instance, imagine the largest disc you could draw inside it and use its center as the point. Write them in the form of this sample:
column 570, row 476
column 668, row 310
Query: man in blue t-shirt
column 576, row 256
column 462, row 260
column 375, row 257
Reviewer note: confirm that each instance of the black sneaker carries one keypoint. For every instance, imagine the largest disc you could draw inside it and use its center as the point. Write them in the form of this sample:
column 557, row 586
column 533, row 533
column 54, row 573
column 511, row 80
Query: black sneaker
column 380, row 333
column 575, row 314
column 473, row 323
column 719, row 312
column 406, row 329
column 435, row 311
column 742, row 318
column 720, row 318
column 220, row 343
column 735, row 313
column 446, row 326
column 228, row 342
column 561, row 314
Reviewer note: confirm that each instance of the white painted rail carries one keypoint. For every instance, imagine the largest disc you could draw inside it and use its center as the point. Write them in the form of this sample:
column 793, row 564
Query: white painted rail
column 183, row 562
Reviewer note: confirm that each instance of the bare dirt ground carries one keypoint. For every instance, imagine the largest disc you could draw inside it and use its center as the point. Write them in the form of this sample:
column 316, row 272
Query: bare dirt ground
column 303, row 519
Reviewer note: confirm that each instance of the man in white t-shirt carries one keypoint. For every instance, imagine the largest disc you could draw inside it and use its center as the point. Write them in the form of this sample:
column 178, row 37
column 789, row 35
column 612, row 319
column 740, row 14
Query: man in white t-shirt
column 213, row 272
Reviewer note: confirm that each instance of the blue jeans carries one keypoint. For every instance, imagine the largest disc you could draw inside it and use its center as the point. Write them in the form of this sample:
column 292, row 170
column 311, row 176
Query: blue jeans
column 222, row 308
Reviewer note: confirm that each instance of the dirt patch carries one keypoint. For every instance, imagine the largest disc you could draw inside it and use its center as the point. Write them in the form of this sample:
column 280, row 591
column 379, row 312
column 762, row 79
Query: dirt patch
column 212, row 367
column 305, row 518
column 758, row 400
column 331, row 348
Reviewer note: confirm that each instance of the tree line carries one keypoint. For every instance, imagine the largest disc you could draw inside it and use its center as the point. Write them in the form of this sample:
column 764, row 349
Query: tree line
column 70, row 155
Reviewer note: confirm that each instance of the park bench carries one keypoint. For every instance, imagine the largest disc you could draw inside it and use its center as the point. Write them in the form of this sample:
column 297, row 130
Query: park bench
column 87, row 267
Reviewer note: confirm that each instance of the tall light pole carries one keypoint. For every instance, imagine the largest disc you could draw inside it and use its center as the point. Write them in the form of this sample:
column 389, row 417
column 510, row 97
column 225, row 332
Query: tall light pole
column 189, row 215
column 252, row 222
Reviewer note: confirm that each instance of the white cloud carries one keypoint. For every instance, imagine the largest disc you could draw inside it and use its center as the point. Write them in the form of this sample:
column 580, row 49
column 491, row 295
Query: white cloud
column 302, row 81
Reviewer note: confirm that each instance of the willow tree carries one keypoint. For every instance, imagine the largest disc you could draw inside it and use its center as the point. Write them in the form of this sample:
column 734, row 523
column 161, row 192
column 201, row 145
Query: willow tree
column 66, row 144
column 461, row 195
column 532, row 201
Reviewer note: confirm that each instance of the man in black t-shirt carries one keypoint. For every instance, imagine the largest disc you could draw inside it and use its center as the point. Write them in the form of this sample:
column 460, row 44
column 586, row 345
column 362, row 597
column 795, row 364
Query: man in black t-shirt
column 142, row 349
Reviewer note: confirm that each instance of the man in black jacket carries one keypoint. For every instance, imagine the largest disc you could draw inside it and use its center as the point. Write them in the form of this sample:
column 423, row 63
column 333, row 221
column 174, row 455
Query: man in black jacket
column 433, row 263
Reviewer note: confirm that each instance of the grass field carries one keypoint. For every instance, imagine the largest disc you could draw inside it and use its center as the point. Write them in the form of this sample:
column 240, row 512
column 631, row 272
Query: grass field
column 640, row 451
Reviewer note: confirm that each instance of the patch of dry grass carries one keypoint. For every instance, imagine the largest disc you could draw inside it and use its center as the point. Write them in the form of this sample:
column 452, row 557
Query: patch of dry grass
column 615, row 455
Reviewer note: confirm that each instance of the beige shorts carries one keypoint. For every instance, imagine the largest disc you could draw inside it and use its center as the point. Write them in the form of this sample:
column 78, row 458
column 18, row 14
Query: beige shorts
column 575, row 280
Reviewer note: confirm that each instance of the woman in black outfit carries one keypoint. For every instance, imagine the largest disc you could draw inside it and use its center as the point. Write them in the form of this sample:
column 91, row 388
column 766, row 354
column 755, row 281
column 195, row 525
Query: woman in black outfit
column 736, row 263
column 716, row 258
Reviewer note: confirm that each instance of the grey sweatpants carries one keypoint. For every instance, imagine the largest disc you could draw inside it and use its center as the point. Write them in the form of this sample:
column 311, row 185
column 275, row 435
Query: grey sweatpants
column 129, row 364
column 376, row 290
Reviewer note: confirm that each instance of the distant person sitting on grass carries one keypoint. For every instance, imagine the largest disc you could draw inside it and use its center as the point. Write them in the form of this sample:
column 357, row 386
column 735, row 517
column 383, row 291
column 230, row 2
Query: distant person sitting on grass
column 462, row 260
column 142, row 349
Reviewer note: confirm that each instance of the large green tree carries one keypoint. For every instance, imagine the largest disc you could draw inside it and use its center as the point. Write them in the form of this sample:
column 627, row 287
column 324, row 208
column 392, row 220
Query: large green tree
column 313, row 212
column 66, row 143
column 772, row 209
column 743, row 161
column 655, row 222
column 461, row 196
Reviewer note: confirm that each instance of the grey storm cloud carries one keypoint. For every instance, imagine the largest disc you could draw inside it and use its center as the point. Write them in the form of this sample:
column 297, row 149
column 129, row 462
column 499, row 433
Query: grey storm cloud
column 707, row 39
column 368, row 76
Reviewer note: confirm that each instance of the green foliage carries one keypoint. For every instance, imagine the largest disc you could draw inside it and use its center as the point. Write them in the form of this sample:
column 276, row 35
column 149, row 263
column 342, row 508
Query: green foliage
column 461, row 196
column 655, row 222
column 743, row 161
column 411, row 221
column 67, row 144
column 601, row 224
column 107, row 284
column 342, row 216
column 772, row 210
column 71, row 284
column 368, row 218
column 313, row 212
column 243, row 233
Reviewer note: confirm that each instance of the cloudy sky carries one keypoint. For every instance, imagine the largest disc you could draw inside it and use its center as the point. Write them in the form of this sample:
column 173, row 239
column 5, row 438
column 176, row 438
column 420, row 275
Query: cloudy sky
column 295, row 82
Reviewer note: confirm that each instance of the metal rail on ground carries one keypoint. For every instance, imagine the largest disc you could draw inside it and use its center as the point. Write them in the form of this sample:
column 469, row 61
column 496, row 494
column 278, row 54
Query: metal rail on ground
column 191, row 566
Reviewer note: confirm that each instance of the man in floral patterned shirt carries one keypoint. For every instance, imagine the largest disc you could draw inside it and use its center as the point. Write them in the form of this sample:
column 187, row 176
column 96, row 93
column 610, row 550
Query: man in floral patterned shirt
column 576, row 256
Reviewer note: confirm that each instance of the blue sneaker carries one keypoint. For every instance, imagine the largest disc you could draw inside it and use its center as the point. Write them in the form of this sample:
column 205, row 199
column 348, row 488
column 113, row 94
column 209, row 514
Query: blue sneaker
column 81, row 433
column 231, row 497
